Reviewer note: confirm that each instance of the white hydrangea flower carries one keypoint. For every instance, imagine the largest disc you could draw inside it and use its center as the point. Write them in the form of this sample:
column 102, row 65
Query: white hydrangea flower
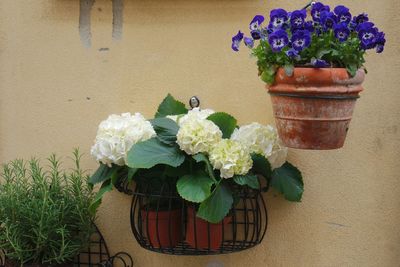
column 197, row 135
column 264, row 140
column 116, row 135
column 194, row 114
column 230, row 157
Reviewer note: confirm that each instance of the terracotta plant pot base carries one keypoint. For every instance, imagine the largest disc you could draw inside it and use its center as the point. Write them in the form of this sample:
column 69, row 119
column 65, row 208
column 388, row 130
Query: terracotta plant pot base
column 313, row 107
column 201, row 234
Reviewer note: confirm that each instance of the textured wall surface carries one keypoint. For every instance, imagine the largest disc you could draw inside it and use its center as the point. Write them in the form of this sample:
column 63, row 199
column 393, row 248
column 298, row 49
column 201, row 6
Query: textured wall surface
column 55, row 89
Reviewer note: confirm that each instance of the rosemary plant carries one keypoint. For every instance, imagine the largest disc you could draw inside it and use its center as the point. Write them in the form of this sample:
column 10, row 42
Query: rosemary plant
column 44, row 212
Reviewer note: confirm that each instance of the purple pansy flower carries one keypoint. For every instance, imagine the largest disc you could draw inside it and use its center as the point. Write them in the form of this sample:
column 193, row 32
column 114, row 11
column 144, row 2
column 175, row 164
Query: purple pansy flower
column 380, row 42
column 278, row 40
column 343, row 14
column 292, row 53
column 297, row 18
column 341, row 31
column 309, row 26
column 255, row 24
column 236, row 41
column 328, row 20
column 256, row 34
column 301, row 39
column 316, row 10
column 319, row 63
column 367, row 34
column 249, row 42
column 363, row 17
column 278, row 17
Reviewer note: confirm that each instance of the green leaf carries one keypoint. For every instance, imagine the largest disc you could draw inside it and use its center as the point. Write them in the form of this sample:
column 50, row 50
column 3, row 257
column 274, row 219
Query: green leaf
column 268, row 75
column 170, row 106
column 105, row 187
column 216, row 206
column 151, row 152
column 288, row 181
column 249, row 180
column 166, row 130
column 199, row 157
column 352, row 69
column 103, row 173
column 261, row 165
column 225, row 122
column 195, row 187
column 289, row 68
column 131, row 173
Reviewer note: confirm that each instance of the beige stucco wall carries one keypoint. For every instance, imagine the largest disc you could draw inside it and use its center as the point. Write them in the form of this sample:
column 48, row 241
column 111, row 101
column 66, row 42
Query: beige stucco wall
column 54, row 92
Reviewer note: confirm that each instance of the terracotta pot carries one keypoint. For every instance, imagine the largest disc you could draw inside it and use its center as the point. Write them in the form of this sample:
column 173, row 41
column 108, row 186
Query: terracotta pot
column 197, row 229
column 163, row 228
column 313, row 107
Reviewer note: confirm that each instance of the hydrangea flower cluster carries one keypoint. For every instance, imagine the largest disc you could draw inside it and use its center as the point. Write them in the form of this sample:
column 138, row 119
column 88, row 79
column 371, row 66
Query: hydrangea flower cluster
column 264, row 140
column 329, row 38
column 231, row 158
column 198, row 135
column 117, row 134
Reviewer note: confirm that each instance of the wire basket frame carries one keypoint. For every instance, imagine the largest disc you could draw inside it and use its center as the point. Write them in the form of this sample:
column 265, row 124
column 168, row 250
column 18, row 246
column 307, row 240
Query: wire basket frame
column 163, row 222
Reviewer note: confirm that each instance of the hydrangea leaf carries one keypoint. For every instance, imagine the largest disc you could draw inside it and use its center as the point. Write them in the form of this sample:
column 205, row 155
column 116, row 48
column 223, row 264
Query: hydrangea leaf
column 151, row 152
column 287, row 180
column 170, row 106
column 202, row 158
column 103, row 173
column 105, row 187
column 216, row 206
column 195, row 187
column 166, row 130
column 261, row 165
column 225, row 122
column 249, row 180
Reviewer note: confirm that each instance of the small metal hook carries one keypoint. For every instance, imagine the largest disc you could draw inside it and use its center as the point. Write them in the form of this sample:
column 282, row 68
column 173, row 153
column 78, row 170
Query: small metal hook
column 194, row 102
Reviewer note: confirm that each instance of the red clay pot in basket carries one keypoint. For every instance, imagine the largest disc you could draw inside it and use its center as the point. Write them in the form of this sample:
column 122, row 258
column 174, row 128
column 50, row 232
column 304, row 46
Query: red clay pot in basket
column 314, row 106
column 163, row 228
column 200, row 238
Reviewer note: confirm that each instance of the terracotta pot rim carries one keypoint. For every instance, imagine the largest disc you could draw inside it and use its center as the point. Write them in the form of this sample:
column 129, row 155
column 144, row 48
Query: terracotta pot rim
column 328, row 81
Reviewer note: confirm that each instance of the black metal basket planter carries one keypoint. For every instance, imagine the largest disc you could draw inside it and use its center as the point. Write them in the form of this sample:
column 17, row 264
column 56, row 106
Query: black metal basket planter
column 163, row 222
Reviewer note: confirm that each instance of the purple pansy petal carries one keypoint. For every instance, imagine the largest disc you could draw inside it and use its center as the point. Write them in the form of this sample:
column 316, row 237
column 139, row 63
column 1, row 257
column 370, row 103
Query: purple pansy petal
column 343, row 14
column 363, row 17
column 316, row 10
column 278, row 17
column 341, row 31
column 319, row 63
column 255, row 24
column 249, row 42
column 367, row 34
column 292, row 53
column 278, row 40
column 256, row 34
column 328, row 20
column 297, row 18
column 301, row 39
column 309, row 26
column 236, row 41
column 380, row 42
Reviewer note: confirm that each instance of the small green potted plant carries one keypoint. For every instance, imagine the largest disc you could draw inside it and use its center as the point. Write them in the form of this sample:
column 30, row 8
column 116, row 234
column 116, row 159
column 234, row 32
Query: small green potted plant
column 205, row 157
column 44, row 213
column 313, row 68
